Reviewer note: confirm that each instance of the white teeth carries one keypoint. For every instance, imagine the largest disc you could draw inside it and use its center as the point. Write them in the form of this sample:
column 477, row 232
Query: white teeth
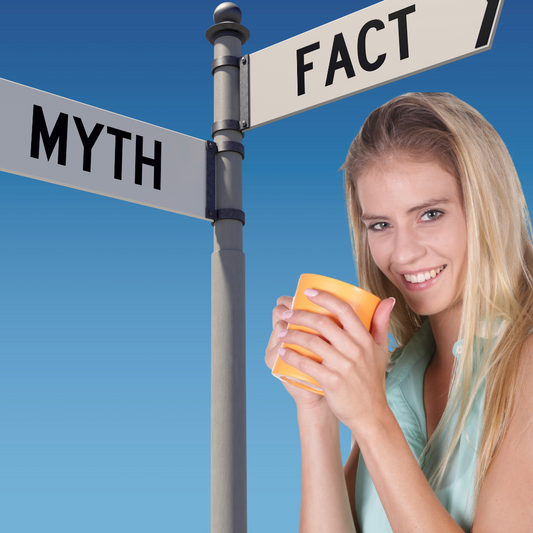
column 422, row 276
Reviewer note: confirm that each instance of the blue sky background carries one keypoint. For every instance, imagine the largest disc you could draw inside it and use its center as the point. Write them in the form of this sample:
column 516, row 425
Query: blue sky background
column 105, row 305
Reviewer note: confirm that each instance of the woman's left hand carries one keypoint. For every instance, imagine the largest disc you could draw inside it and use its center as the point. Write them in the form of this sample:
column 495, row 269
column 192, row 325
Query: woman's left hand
column 352, row 373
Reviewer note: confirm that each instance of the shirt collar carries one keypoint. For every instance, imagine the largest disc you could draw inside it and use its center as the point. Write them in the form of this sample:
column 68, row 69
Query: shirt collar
column 422, row 344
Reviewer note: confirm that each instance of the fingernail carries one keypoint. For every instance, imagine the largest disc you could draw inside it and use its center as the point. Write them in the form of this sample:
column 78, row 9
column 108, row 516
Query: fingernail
column 288, row 314
column 393, row 303
column 310, row 292
column 282, row 332
column 282, row 351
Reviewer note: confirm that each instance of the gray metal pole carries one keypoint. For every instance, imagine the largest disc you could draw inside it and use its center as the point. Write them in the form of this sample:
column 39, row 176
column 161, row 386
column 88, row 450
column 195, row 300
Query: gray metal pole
column 228, row 340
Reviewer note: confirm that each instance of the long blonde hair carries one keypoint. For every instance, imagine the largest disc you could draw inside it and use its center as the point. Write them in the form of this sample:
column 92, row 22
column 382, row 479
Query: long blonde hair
column 498, row 291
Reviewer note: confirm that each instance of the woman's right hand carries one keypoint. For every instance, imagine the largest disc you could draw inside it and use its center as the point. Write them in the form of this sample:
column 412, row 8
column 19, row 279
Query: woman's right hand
column 304, row 399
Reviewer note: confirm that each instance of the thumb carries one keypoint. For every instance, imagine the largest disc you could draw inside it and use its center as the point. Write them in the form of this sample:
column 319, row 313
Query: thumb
column 380, row 323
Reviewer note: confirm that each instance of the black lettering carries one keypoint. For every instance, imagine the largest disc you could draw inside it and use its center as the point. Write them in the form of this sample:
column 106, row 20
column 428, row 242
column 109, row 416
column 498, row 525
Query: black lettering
column 141, row 160
column 488, row 21
column 88, row 142
column 361, row 46
column 120, row 135
column 58, row 135
column 401, row 16
column 339, row 47
column 301, row 67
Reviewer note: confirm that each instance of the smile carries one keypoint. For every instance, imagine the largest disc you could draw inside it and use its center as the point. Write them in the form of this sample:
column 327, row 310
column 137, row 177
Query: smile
column 423, row 276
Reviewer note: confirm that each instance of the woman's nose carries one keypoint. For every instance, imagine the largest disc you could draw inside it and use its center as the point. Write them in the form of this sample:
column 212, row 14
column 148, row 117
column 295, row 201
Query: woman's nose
column 407, row 247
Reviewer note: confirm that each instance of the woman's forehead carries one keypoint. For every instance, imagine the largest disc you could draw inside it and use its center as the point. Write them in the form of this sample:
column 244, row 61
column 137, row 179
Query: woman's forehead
column 404, row 184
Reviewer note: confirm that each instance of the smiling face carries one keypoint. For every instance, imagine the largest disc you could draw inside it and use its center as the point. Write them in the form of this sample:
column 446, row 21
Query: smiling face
column 416, row 227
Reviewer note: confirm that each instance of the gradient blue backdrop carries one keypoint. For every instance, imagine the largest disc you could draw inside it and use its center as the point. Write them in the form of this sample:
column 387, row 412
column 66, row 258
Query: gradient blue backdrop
column 105, row 305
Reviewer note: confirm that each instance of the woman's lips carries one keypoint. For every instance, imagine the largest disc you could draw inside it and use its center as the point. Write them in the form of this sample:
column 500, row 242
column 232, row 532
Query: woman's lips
column 421, row 285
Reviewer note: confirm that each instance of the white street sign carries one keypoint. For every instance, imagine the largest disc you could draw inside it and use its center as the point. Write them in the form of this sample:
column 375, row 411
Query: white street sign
column 382, row 43
column 49, row 138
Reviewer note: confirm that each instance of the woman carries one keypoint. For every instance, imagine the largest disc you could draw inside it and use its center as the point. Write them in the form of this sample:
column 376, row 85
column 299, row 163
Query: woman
column 442, row 436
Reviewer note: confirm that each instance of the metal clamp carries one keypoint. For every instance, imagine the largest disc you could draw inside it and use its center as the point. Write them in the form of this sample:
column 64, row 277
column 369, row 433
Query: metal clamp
column 225, row 61
column 228, row 124
column 231, row 146
column 224, row 214
column 211, row 150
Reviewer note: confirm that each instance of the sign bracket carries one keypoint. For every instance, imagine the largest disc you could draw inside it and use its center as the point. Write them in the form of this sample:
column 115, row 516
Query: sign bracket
column 243, row 64
column 211, row 149
column 245, row 92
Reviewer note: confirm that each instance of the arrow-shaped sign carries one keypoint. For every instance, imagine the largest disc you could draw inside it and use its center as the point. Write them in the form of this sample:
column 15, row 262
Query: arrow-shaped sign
column 50, row 138
column 382, row 43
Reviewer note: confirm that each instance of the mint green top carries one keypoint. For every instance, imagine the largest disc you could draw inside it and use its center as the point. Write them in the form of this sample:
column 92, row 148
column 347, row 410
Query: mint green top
column 405, row 397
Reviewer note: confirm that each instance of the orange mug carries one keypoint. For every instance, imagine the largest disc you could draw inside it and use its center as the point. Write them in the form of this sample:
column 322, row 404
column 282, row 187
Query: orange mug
column 362, row 302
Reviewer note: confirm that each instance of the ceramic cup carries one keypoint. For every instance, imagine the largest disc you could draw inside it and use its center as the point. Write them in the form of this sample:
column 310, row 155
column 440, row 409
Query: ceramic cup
column 362, row 302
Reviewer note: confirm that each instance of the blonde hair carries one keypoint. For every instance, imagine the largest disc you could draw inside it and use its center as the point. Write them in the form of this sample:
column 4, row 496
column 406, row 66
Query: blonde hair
column 498, row 290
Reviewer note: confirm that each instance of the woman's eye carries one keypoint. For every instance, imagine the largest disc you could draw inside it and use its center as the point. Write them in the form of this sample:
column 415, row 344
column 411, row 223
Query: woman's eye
column 429, row 216
column 378, row 226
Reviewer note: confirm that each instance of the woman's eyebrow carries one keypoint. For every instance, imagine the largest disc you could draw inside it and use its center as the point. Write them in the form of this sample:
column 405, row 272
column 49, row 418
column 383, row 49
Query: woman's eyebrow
column 432, row 202
column 369, row 218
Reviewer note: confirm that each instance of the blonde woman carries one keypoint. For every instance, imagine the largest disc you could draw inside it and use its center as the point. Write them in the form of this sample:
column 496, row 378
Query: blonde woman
column 442, row 427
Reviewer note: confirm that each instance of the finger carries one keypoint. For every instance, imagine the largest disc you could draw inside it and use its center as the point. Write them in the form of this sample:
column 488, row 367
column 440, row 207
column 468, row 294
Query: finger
column 321, row 324
column 312, row 342
column 380, row 323
column 271, row 355
column 277, row 314
column 341, row 309
column 274, row 337
column 284, row 303
column 306, row 365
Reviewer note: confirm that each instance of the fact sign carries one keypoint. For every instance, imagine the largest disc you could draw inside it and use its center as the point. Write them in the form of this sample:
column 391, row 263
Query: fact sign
column 382, row 43
column 61, row 141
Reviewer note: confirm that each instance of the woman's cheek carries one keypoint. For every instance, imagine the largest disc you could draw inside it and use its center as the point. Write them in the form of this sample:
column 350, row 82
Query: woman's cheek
column 379, row 254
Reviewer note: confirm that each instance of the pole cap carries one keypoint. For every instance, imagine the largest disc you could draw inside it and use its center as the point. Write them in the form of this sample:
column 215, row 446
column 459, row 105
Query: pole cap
column 227, row 17
column 227, row 12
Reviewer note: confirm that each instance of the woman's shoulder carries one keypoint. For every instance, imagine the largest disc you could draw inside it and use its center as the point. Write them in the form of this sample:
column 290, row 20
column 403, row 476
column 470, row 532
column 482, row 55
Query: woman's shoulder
column 528, row 342
column 525, row 389
column 508, row 483
column 525, row 392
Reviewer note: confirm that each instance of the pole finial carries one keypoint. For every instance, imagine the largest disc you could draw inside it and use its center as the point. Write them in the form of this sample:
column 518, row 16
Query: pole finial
column 227, row 18
column 227, row 12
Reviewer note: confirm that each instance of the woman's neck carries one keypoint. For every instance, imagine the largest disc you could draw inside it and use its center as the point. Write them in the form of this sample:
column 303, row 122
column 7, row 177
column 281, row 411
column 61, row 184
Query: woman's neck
column 438, row 374
column 445, row 327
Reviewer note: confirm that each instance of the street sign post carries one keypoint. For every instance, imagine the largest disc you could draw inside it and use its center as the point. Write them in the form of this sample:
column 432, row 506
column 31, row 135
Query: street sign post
column 382, row 43
column 228, row 304
column 54, row 139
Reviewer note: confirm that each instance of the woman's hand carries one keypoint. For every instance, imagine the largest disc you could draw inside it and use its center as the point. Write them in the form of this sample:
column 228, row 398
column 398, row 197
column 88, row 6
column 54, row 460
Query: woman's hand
column 303, row 398
column 352, row 373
